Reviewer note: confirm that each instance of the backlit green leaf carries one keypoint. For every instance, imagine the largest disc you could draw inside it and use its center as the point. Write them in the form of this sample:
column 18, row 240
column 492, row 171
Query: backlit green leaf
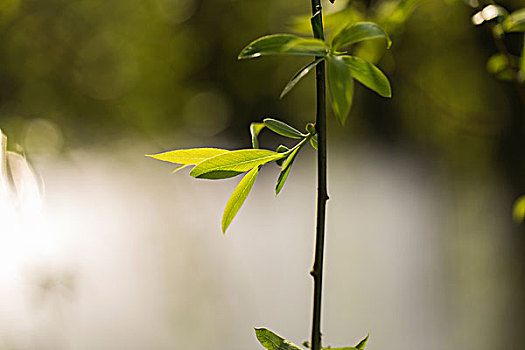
column 361, row 345
column 369, row 75
column 515, row 22
column 188, row 156
column 283, row 129
column 498, row 65
column 307, row 47
column 287, row 166
column 313, row 141
column 228, row 164
column 358, row 32
column 255, row 129
column 340, row 85
column 518, row 212
column 272, row 341
column 238, row 197
column 332, row 22
column 283, row 44
column 298, row 76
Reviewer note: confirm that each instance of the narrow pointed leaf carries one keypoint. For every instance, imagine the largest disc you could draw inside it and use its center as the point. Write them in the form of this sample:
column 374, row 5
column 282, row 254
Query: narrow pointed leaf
column 283, row 44
column 306, row 47
column 361, row 345
column 313, row 141
column 518, row 212
column 238, row 197
column 515, row 22
column 255, row 129
column 298, row 76
column 369, row 75
column 233, row 162
column 283, row 129
column 272, row 341
column 358, row 32
column 287, row 166
column 340, row 85
column 188, row 156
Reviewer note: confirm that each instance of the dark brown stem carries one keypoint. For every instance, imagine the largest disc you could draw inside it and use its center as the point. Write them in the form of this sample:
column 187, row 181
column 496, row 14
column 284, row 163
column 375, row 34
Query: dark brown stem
column 322, row 195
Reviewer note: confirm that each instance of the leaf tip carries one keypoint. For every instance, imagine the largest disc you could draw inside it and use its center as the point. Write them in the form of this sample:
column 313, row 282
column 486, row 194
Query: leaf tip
column 224, row 225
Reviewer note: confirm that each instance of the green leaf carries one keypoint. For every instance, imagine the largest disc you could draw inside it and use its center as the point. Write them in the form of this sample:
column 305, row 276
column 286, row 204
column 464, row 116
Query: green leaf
column 317, row 28
column 298, row 76
column 287, row 166
column 284, row 44
column 283, row 129
column 307, row 47
column 233, row 163
column 518, row 211
column 498, row 64
column 332, row 22
column 313, row 141
column 361, row 345
column 369, row 75
column 188, row 156
column 515, row 22
column 340, row 85
column 272, row 341
column 255, row 129
column 238, row 197
column 358, row 32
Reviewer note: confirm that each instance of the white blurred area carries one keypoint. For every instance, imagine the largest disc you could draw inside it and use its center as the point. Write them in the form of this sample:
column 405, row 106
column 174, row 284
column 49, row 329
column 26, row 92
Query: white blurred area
column 121, row 254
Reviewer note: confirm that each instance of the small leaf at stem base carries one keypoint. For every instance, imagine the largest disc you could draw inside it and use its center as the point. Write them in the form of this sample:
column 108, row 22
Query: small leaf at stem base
column 272, row 341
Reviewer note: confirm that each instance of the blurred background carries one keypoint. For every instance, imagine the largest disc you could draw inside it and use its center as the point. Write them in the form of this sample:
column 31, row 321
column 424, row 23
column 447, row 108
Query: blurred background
column 119, row 253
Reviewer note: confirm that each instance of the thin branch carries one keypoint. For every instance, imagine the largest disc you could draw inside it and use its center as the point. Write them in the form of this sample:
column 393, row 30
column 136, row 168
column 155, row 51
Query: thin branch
column 322, row 195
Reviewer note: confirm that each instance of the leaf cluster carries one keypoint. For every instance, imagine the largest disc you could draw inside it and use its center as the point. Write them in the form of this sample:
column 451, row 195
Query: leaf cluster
column 342, row 68
column 504, row 65
column 216, row 163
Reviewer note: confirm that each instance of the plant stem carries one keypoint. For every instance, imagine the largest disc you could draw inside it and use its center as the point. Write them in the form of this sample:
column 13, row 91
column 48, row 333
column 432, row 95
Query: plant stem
column 322, row 195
